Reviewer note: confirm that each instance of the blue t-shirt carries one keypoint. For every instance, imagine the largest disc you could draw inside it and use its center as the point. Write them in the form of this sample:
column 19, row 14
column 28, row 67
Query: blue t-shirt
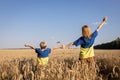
column 86, row 42
column 44, row 53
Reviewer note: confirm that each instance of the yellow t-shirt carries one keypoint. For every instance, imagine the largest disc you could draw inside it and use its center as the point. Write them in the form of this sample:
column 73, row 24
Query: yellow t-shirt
column 43, row 61
column 86, row 52
column 86, row 44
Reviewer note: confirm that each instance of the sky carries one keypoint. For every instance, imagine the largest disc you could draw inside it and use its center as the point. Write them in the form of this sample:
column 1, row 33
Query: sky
column 33, row 21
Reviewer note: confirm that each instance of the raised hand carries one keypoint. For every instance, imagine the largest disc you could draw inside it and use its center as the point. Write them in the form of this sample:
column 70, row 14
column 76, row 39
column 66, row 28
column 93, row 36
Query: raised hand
column 105, row 19
column 102, row 23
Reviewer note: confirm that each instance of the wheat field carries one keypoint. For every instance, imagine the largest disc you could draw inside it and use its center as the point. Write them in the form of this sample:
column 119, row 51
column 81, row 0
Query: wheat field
column 63, row 65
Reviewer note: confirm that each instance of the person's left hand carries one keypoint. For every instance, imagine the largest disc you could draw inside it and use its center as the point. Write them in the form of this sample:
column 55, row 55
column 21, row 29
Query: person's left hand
column 62, row 46
column 26, row 45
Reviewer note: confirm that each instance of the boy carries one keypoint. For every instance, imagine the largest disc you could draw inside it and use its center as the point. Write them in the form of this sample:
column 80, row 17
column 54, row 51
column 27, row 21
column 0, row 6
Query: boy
column 42, row 52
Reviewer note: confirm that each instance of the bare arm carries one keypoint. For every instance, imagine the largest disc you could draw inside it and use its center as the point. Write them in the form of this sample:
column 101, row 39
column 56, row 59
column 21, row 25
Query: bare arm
column 67, row 46
column 27, row 45
column 102, row 23
column 58, row 47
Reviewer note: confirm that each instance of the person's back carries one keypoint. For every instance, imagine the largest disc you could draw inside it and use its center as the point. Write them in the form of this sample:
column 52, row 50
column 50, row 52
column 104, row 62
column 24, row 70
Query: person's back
column 42, row 52
column 86, row 55
column 86, row 41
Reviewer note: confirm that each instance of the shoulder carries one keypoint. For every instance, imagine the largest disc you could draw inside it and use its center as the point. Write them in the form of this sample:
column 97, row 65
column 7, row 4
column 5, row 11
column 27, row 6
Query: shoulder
column 38, row 49
column 95, row 33
column 48, row 49
column 78, row 41
column 80, row 38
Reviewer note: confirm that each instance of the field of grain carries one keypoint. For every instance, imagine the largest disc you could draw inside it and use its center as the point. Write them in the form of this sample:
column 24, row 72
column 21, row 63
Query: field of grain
column 63, row 65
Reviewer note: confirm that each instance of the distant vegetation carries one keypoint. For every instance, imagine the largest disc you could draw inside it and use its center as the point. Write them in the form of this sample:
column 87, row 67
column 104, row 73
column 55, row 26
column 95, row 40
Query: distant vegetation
column 115, row 44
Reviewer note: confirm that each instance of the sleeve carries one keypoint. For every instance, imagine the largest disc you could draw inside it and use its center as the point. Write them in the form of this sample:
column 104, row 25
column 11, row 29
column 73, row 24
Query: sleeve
column 77, row 42
column 94, row 34
column 36, row 50
column 49, row 49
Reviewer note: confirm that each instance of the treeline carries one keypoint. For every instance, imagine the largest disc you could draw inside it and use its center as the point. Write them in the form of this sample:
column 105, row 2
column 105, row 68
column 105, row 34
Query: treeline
column 115, row 44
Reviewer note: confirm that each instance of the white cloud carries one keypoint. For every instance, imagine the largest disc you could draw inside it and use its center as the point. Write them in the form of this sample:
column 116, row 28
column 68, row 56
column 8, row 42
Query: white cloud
column 97, row 23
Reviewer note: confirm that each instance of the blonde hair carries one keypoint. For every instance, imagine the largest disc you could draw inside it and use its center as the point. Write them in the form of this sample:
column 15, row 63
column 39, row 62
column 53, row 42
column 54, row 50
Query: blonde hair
column 86, row 31
column 43, row 45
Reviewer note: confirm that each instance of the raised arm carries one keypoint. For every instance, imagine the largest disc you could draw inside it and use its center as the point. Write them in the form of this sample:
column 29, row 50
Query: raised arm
column 27, row 45
column 102, row 23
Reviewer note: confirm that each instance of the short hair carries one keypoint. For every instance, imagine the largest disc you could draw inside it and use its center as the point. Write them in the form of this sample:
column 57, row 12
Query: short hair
column 43, row 45
column 86, row 31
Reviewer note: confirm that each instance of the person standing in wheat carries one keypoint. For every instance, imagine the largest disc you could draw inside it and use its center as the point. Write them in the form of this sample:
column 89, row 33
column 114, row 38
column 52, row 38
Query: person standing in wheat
column 86, row 41
column 42, row 52
column 86, row 56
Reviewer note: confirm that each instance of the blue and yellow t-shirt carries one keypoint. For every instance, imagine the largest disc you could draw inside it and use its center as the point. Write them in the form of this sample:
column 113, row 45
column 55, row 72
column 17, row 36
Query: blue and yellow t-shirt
column 86, row 49
column 43, row 55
